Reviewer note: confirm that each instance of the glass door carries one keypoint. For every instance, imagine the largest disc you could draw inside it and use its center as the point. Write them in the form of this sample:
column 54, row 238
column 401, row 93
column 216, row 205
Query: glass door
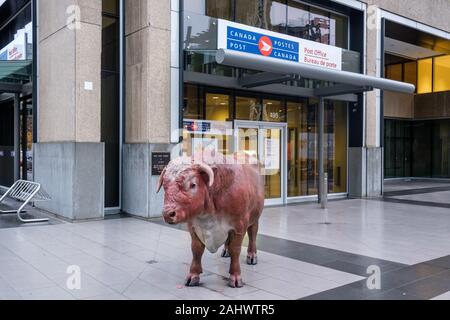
column 266, row 142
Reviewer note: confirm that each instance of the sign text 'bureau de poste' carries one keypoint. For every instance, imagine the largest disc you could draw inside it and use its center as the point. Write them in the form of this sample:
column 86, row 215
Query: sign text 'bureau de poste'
column 239, row 37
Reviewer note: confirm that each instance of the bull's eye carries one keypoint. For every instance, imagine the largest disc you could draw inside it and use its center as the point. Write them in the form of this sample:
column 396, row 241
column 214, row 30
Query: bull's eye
column 193, row 185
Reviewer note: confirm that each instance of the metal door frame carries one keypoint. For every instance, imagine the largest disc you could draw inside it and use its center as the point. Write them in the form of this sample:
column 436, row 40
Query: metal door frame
column 283, row 161
column 116, row 210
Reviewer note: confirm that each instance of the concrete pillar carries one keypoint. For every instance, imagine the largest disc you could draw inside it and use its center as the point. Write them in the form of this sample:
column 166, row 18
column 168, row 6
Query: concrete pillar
column 374, row 118
column 366, row 160
column 148, row 101
column 69, row 156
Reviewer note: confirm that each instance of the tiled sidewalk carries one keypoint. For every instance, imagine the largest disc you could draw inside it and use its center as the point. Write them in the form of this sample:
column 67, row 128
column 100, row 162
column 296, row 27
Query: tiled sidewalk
column 135, row 259
column 299, row 256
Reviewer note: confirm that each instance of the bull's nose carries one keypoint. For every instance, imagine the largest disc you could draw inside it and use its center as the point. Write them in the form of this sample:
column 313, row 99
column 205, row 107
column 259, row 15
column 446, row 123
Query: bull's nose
column 170, row 216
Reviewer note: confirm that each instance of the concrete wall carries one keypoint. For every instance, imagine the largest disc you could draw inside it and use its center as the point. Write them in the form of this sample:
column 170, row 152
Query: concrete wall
column 148, row 40
column 69, row 157
column 434, row 13
column 398, row 105
column 432, row 105
column 73, row 174
column 139, row 186
column 69, row 57
column 148, row 37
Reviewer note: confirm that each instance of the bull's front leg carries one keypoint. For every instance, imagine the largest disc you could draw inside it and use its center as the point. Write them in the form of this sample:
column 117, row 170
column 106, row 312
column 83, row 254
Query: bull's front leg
column 234, row 249
column 198, row 248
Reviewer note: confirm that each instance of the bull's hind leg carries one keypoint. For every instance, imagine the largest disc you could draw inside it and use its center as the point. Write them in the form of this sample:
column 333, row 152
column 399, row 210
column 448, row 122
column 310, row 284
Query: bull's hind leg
column 252, row 258
column 226, row 252
column 198, row 248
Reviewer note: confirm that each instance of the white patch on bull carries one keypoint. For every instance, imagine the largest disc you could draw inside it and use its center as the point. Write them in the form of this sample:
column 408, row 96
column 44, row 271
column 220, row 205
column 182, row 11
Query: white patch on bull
column 177, row 166
column 211, row 231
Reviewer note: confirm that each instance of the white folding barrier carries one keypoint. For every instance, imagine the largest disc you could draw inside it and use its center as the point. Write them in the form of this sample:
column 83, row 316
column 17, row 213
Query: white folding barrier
column 25, row 191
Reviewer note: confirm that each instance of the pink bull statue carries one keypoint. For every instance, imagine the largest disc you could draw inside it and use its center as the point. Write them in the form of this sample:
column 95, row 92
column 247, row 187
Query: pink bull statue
column 221, row 199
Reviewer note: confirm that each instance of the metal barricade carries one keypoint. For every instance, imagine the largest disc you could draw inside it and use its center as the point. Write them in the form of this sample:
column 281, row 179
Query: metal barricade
column 26, row 192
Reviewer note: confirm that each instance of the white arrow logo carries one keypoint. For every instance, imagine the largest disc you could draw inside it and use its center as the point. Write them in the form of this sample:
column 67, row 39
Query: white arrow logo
column 266, row 47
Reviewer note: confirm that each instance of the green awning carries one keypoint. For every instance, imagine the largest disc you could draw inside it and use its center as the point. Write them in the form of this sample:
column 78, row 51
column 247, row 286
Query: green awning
column 15, row 71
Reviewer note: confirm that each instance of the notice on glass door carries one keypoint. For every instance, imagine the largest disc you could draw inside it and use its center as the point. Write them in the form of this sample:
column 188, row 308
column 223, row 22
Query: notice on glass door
column 272, row 154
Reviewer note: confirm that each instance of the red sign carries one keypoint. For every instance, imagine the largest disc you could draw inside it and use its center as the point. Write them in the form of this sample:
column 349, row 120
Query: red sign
column 265, row 46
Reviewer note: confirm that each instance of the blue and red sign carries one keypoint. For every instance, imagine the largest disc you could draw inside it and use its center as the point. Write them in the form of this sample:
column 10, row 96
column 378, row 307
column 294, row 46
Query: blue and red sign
column 261, row 44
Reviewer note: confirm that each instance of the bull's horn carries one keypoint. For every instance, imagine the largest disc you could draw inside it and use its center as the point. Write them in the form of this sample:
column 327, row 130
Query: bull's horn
column 209, row 171
column 161, row 180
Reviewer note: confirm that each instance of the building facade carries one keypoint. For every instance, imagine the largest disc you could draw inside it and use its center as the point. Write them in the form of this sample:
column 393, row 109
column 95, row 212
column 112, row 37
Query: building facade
column 95, row 96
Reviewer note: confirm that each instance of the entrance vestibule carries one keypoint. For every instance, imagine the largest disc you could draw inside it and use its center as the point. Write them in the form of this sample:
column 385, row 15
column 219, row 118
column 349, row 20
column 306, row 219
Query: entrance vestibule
column 282, row 132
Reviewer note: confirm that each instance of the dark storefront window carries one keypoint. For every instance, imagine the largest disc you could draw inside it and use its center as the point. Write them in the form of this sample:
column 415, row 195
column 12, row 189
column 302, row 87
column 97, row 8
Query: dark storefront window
column 417, row 148
column 441, row 149
column 110, row 97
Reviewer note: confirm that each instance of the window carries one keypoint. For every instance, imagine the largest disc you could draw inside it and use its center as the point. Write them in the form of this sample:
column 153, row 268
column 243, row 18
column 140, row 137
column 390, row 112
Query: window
column 441, row 74
column 298, row 19
column 217, row 107
column 425, row 78
column 248, row 108
column 221, row 9
column 336, row 143
column 248, row 12
column 197, row 6
column 410, row 73
column 338, row 31
column 283, row 16
column 193, row 106
column 319, row 30
column 273, row 111
column 275, row 15
column 428, row 75
column 441, row 148
column 417, row 148
column 394, row 72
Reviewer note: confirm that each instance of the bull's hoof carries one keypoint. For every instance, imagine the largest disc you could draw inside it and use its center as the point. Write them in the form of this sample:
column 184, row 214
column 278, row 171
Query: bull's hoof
column 225, row 253
column 252, row 260
column 235, row 282
column 192, row 281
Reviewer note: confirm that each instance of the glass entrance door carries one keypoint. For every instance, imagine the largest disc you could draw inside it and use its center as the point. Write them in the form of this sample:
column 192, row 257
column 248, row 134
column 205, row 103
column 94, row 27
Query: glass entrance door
column 266, row 142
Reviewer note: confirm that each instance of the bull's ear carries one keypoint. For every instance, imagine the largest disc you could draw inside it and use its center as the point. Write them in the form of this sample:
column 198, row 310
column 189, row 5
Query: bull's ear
column 161, row 180
column 205, row 169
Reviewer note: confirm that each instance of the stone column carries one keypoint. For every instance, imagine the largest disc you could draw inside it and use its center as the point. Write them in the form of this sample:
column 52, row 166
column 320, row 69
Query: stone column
column 366, row 159
column 148, row 101
column 374, row 118
column 69, row 156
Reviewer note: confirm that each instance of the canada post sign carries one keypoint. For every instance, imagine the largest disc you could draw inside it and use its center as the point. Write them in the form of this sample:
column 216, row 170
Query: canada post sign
column 238, row 37
column 257, row 43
